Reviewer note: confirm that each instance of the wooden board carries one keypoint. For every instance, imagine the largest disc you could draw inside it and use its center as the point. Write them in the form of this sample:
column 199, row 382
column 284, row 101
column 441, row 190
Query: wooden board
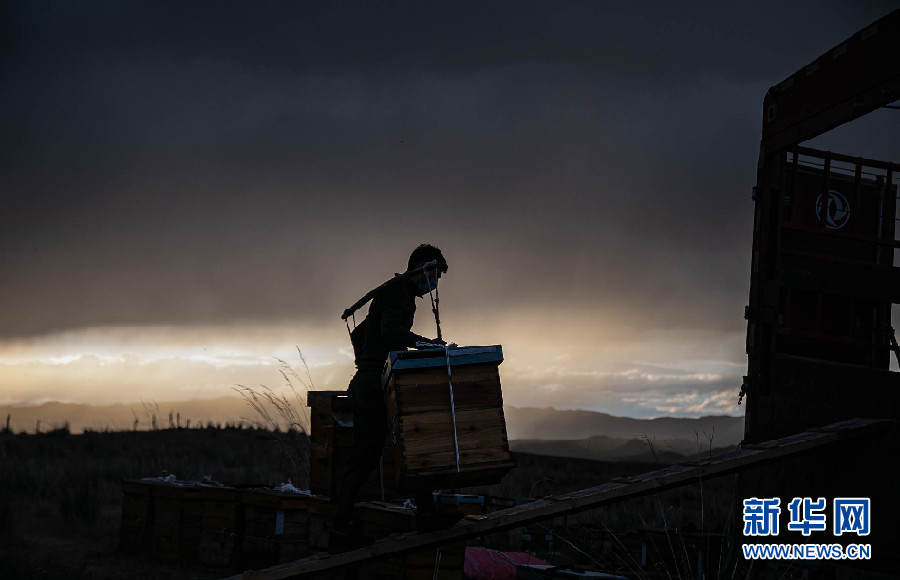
column 438, row 376
column 423, row 397
column 382, row 519
column 478, row 474
column 427, row 442
column 450, row 560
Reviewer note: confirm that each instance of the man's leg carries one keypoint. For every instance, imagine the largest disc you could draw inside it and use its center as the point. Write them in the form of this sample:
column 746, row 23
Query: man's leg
column 369, row 431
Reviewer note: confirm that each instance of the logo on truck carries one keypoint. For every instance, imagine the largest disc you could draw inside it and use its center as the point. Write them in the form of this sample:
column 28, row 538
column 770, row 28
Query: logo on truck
column 832, row 209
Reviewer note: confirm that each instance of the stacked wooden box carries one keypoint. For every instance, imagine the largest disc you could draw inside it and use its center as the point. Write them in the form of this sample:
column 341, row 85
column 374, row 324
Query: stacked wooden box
column 175, row 524
column 180, row 521
column 219, row 525
column 442, row 442
column 258, row 528
column 382, row 519
column 275, row 528
column 330, row 446
column 137, row 515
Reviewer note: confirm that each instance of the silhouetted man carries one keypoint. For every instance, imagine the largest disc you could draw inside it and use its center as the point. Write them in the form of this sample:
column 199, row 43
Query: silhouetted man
column 387, row 327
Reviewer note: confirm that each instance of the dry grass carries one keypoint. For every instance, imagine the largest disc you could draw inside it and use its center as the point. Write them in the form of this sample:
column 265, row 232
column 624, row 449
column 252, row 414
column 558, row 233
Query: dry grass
column 284, row 411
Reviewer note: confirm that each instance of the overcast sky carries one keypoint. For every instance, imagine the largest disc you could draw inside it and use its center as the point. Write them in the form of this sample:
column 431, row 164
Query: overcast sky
column 189, row 189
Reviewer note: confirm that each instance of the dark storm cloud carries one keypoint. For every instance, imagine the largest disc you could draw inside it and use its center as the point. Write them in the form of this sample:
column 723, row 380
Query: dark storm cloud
column 329, row 37
column 216, row 162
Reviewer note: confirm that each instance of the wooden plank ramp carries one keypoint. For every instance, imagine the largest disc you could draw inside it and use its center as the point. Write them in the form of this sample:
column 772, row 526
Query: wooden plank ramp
column 748, row 456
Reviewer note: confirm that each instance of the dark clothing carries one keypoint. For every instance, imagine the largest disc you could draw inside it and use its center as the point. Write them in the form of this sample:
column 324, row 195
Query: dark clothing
column 386, row 328
column 388, row 323
column 369, row 430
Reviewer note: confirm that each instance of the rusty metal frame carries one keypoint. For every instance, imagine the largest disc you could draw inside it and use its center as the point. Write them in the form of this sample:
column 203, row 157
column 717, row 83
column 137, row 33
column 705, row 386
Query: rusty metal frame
column 847, row 82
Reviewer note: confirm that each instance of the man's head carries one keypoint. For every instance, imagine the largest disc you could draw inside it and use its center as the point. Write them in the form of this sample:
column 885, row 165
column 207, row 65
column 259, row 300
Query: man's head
column 420, row 256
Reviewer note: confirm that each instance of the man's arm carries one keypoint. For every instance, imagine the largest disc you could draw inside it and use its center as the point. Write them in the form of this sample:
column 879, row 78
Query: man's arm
column 396, row 319
column 393, row 331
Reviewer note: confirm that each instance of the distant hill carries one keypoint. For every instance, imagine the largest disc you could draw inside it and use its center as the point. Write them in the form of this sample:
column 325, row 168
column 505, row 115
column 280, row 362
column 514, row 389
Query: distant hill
column 616, row 449
column 548, row 423
column 122, row 416
column 547, row 431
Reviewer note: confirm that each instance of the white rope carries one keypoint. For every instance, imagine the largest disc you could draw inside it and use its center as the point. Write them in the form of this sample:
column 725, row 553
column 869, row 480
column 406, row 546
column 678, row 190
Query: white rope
column 349, row 332
column 435, row 302
column 437, row 563
column 452, row 406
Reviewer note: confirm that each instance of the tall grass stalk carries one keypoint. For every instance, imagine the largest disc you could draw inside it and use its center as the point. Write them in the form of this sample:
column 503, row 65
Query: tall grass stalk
column 284, row 411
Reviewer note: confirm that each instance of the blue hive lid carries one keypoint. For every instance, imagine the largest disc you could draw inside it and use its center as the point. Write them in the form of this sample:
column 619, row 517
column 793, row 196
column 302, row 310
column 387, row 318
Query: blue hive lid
column 437, row 357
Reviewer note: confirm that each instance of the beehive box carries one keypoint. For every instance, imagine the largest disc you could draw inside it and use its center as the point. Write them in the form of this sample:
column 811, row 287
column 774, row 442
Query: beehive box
column 417, row 391
column 137, row 516
column 175, row 528
column 219, row 525
column 180, row 521
column 382, row 519
column 330, row 446
column 275, row 528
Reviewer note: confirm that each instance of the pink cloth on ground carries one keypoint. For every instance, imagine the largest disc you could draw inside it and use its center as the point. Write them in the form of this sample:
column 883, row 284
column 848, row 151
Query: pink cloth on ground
column 484, row 564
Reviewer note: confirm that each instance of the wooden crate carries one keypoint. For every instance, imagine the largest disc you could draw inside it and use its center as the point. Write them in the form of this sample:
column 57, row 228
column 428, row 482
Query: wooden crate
column 137, row 516
column 417, row 395
column 219, row 525
column 175, row 528
column 275, row 528
column 330, row 446
column 181, row 521
column 382, row 519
